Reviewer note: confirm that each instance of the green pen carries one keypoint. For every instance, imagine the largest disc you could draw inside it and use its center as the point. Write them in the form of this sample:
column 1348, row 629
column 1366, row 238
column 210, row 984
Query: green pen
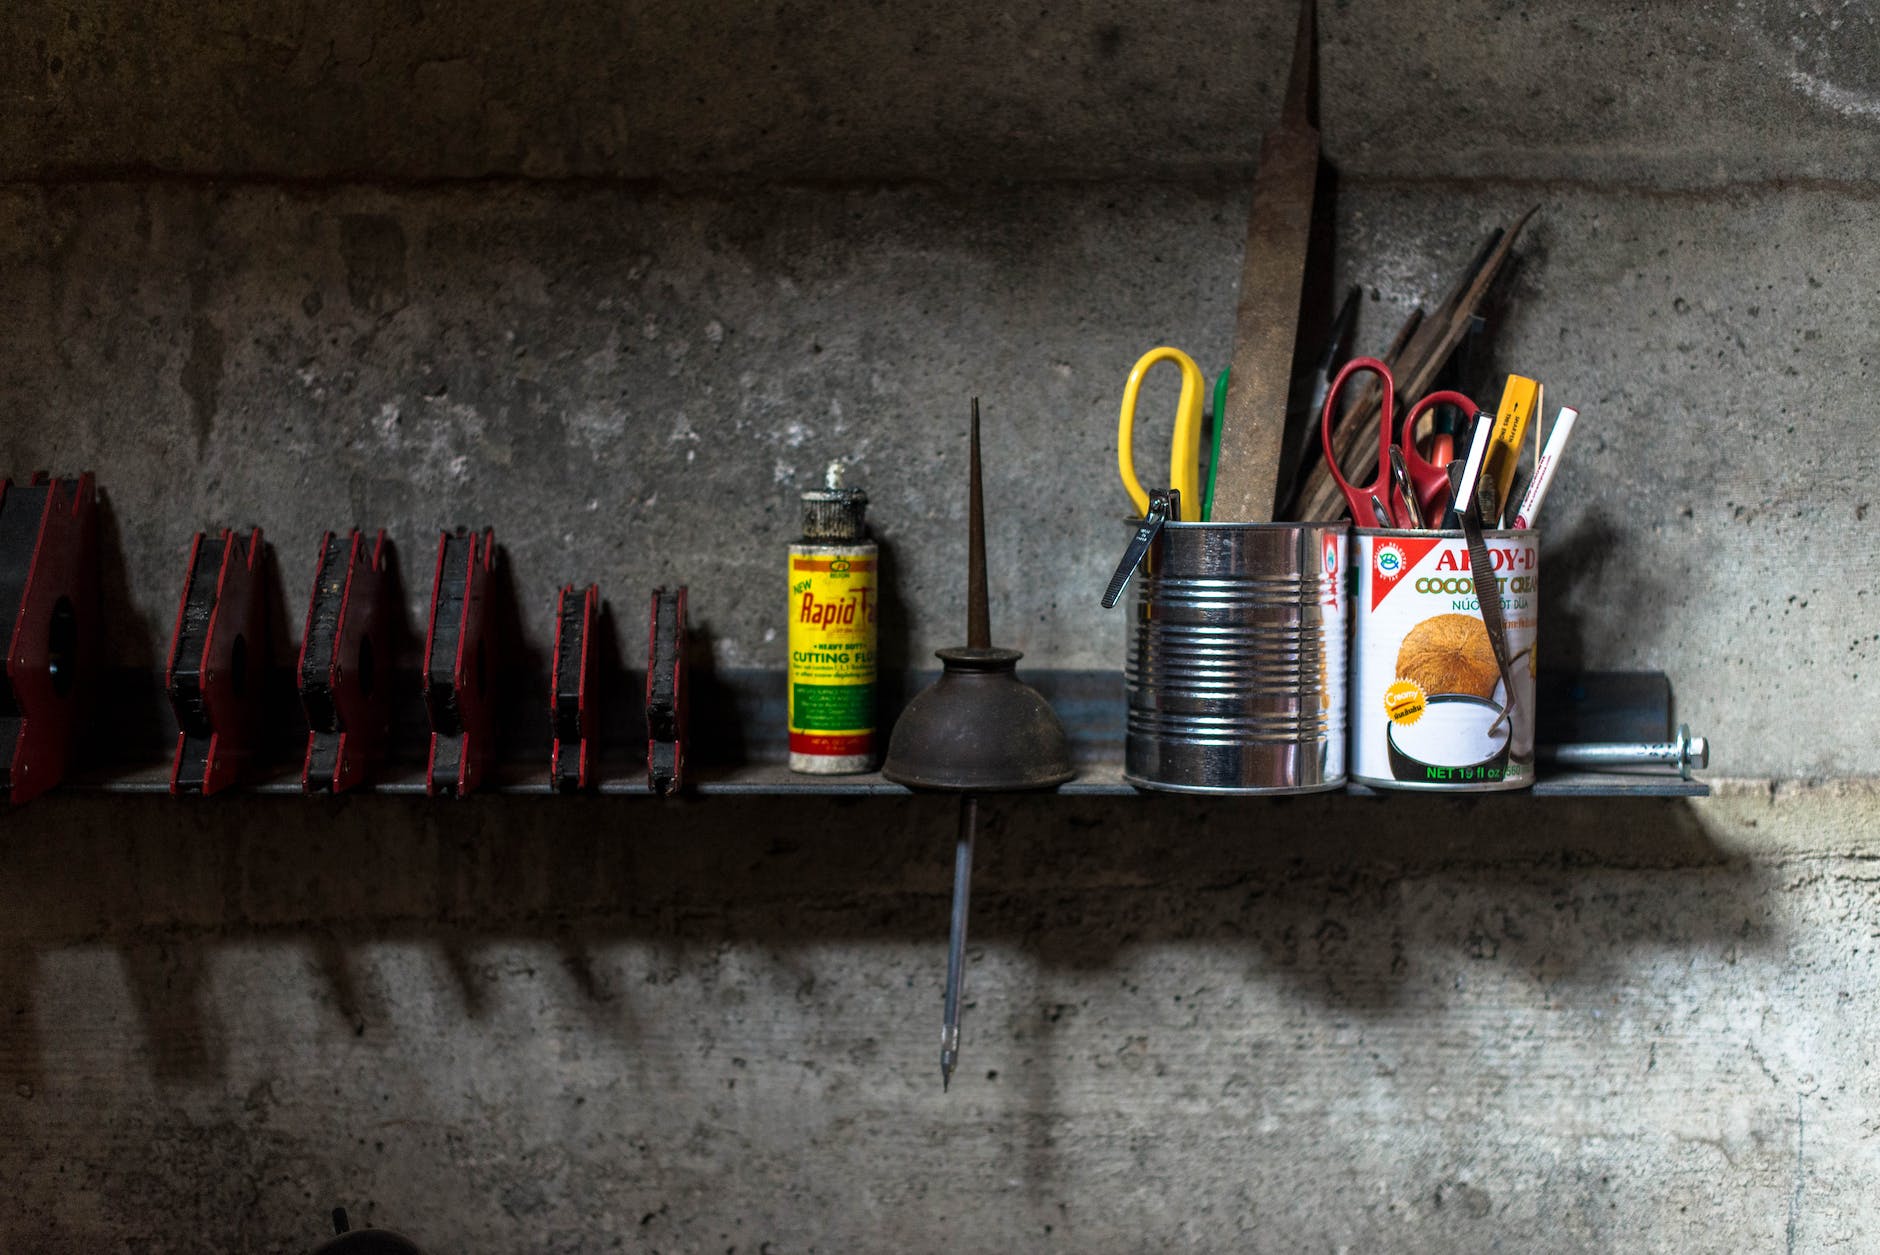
column 1214, row 448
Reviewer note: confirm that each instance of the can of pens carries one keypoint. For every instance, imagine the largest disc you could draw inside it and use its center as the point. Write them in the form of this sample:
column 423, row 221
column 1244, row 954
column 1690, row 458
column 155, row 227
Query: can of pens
column 1235, row 672
column 1435, row 703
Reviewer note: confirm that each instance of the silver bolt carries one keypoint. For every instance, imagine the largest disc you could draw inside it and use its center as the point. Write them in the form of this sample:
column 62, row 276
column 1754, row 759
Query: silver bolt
column 1687, row 753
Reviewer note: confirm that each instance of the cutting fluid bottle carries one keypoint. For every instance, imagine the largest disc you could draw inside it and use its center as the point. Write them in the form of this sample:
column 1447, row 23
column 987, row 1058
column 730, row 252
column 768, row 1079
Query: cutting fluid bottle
column 832, row 635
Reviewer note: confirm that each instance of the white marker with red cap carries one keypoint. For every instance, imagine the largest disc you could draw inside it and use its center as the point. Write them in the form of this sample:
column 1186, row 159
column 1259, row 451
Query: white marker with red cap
column 1544, row 469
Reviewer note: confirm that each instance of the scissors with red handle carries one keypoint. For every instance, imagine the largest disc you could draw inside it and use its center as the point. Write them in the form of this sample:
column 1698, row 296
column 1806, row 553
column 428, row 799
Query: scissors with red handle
column 1428, row 481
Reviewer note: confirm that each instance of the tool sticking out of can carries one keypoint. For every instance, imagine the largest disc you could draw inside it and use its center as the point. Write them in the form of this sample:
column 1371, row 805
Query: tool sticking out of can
column 977, row 729
column 1544, row 468
column 1272, row 278
column 1416, row 361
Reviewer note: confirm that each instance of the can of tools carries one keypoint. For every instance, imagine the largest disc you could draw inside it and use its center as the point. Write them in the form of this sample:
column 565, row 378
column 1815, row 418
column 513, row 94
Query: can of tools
column 1236, row 667
column 1436, row 702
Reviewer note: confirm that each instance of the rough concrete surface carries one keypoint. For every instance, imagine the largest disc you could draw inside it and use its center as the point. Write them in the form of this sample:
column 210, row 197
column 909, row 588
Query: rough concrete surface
column 633, row 388
column 620, row 281
column 1316, row 1025
column 1676, row 94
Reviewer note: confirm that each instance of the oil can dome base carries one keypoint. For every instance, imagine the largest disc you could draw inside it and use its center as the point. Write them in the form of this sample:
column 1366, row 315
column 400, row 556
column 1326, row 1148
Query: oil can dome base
column 1235, row 670
column 978, row 729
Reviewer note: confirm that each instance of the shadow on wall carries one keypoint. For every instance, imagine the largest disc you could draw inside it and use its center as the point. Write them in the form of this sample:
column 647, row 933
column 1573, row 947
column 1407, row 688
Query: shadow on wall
column 1575, row 563
column 1335, row 898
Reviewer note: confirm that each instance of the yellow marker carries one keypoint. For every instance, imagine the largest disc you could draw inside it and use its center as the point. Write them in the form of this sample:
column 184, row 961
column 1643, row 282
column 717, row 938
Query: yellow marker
column 1504, row 446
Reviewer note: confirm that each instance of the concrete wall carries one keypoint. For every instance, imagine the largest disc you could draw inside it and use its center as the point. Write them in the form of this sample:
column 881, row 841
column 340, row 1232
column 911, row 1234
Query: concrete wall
column 634, row 387
column 620, row 282
column 1320, row 1025
column 1709, row 95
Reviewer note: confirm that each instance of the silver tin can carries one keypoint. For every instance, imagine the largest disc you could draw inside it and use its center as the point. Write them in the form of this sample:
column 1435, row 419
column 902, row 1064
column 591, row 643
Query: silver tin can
column 1236, row 667
column 1429, row 709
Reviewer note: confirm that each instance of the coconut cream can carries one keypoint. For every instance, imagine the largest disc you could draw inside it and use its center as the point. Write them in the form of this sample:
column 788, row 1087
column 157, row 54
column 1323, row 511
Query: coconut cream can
column 1429, row 706
column 832, row 612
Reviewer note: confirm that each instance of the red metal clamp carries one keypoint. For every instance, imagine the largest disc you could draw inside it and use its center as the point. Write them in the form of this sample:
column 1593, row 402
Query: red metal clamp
column 666, row 705
column 571, row 695
column 218, row 662
column 346, row 664
column 49, row 617
column 456, row 677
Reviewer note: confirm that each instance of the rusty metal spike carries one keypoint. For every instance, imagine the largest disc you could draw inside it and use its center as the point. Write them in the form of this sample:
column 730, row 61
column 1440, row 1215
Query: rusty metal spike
column 1301, row 106
column 978, row 608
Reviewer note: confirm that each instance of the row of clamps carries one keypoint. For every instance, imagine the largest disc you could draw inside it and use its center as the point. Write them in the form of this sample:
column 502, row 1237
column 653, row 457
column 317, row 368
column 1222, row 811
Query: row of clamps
column 218, row 667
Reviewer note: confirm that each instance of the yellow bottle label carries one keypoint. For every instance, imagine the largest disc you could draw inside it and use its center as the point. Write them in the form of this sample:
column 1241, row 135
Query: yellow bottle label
column 832, row 651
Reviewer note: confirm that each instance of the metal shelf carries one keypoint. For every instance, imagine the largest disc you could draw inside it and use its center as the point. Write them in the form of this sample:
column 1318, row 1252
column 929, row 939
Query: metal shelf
column 1102, row 779
column 738, row 745
column 1105, row 779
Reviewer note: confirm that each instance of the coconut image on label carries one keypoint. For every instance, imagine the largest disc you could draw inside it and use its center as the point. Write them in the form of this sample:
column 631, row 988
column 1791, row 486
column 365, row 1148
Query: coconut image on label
column 1450, row 653
column 1461, row 721
column 1458, row 716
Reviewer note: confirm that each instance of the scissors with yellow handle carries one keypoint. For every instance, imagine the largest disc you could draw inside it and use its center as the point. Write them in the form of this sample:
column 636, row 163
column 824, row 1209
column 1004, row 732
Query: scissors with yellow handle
column 1184, row 450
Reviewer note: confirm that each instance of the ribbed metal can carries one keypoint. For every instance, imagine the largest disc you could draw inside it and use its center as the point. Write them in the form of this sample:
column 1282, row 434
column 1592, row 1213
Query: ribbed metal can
column 1236, row 659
